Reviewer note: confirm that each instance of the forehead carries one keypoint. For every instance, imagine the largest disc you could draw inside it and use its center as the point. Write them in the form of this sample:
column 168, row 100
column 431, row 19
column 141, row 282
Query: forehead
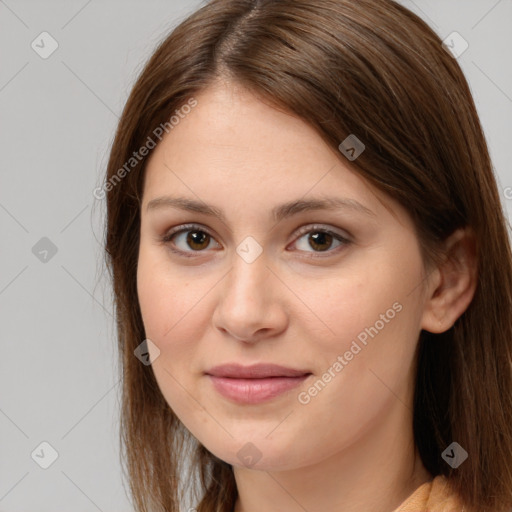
column 233, row 145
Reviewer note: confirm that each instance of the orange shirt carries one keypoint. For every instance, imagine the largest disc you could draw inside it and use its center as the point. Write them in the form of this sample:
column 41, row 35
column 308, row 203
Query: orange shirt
column 433, row 496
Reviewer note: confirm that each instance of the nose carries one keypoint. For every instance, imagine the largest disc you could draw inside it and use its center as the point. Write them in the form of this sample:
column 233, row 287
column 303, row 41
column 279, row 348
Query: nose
column 250, row 303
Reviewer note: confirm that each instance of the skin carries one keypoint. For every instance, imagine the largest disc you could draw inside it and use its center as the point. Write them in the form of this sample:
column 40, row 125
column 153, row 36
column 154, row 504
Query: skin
column 350, row 448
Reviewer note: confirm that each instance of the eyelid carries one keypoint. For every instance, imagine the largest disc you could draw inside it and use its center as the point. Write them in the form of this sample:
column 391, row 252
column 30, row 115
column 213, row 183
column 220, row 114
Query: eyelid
column 166, row 238
column 186, row 227
column 345, row 239
column 307, row 228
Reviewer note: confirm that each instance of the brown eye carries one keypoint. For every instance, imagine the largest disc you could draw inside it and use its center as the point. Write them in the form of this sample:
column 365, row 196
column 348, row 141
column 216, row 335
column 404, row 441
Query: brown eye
column 197, row 240
column 188, row 239
column 320, row 240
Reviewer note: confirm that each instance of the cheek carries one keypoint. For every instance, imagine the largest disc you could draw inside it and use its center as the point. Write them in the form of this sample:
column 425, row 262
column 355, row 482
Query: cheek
column 169, row 321
column 371, row 320
column 167, row 299
column 341, row 308
column 176, row 313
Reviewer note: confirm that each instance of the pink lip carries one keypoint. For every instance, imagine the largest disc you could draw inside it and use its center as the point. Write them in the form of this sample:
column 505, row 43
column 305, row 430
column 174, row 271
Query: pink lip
column 252, row 391
column 254, row 384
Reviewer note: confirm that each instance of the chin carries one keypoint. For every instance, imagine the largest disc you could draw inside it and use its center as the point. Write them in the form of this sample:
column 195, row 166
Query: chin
column 252, row 455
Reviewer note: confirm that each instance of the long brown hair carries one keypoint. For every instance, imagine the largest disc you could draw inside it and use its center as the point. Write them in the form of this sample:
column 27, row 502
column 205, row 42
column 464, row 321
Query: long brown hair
column 374, row 69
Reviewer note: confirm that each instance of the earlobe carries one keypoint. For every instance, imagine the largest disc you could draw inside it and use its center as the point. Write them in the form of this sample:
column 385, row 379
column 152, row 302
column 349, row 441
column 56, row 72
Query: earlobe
column 454, row 289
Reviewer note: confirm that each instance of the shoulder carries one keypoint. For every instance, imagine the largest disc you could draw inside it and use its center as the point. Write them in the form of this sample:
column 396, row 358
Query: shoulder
column 434, row 496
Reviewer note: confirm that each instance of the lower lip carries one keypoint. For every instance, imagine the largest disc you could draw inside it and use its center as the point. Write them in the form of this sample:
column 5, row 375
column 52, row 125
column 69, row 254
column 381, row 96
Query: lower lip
column 253, row 391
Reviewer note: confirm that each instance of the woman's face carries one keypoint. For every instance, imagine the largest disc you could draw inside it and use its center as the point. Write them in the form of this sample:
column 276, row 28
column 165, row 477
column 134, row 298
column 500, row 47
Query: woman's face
column 332, row 292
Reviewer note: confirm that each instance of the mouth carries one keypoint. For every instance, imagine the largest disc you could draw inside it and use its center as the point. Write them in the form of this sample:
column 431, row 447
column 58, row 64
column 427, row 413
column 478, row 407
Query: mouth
column 254, row 384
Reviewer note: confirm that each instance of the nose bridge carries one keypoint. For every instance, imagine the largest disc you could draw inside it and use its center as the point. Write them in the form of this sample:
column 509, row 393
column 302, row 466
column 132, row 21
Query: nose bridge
column 248, row 303
column 249, row 276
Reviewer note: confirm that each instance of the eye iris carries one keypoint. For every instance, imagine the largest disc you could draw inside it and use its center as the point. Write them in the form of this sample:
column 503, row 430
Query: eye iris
column 195, row 238
column 320, row 238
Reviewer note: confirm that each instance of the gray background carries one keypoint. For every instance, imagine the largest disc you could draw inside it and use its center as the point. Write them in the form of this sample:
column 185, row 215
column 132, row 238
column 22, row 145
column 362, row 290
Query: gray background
column 58, row 371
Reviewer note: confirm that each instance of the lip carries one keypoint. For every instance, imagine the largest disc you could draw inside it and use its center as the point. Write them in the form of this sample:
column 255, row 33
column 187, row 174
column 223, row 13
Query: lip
column 256, row 383
column 255, row 371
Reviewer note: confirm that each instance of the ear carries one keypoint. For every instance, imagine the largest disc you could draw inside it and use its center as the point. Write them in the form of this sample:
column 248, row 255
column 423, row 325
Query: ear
column 454, row 283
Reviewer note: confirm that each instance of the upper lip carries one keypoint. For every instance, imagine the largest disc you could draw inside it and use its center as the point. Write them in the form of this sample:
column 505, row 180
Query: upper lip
column 256, row 371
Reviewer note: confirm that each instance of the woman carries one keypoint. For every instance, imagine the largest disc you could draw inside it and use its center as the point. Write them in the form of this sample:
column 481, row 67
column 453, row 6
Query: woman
column 311, row 266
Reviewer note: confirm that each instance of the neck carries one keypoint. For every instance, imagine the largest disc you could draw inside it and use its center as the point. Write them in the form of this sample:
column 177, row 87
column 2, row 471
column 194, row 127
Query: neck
column 375, row 474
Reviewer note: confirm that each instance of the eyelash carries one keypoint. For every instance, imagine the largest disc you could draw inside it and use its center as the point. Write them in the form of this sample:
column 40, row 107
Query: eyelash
column 315, row 228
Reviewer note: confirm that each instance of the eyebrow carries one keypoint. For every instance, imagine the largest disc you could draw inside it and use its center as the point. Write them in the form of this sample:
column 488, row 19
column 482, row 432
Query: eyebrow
column 278, row 213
